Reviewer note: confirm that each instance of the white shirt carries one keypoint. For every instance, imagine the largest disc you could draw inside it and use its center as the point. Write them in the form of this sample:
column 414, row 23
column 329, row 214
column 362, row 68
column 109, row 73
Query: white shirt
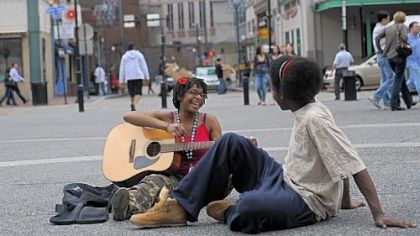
column 319, row 157
column 133, row 66
column 99, row 75
column 14, row 74
column 378, row 28
column 343, row 59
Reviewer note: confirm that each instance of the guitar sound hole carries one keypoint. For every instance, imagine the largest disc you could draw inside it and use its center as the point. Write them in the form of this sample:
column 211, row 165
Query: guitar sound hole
column 153, row 149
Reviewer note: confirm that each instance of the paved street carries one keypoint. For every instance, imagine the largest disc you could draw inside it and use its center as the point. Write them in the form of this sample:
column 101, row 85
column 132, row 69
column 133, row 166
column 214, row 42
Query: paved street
column 44, row 148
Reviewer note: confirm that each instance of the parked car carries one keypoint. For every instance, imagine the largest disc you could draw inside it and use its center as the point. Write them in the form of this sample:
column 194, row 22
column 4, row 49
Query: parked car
column 367, row 75
column 208, row 74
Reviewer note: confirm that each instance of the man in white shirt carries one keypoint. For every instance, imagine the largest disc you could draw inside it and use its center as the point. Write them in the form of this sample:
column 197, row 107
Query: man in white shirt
column 341, row 63
column 133, row 70
column 100, row 80
column 14, row 75
column 387, row 75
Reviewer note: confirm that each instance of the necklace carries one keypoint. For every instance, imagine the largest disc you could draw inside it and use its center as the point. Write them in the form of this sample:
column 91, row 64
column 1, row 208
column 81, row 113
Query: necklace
column 194, row 128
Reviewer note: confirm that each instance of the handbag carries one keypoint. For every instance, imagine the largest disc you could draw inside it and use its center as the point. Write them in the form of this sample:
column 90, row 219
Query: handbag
column 402, row 47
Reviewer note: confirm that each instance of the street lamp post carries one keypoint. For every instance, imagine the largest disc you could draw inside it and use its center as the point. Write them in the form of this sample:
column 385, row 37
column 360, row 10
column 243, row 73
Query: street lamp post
column 269, row 26
column 78, row 66
column 237, row 5
column 344, row 20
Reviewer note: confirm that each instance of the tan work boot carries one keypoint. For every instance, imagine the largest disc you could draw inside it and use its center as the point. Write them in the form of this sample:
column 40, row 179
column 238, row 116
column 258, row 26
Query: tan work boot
column 164, row 213
column 217, row 209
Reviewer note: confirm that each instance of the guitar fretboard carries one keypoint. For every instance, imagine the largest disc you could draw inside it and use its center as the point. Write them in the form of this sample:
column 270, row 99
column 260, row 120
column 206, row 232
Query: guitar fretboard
column 185, row 146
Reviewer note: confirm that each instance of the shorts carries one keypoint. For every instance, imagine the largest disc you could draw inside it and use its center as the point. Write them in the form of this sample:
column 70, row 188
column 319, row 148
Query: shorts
column 135, row 87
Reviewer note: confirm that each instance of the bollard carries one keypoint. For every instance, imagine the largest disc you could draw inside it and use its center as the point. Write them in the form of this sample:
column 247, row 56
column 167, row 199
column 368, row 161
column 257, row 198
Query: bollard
column 246, row 90
column 163, row 92
column 349, row 83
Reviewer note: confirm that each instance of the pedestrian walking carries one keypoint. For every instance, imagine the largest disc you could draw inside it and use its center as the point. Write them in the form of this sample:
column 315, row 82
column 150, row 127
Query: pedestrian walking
column 14, row 75
column 341, row 64
column 311, row 186
column 290, row 49
column 387, row 75
column 261, row 67
column 413, row 61
column 221, row 89
column 100, row 80
column 393, row 35
column 133, row 70
column 8, row 94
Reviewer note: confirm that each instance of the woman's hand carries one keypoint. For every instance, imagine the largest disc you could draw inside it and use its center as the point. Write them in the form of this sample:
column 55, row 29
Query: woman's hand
column 175, row 129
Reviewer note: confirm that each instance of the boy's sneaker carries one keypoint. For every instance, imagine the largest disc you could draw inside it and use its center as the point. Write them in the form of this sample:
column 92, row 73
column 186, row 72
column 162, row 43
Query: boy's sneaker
column 119, row 203
column 375, row 102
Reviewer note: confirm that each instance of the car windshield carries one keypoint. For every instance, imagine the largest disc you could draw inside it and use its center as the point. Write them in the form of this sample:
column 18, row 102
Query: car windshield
column 206, row 71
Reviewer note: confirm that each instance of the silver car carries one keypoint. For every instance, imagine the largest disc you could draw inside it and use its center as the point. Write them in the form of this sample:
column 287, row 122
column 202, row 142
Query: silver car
column 208, row 74
column 367, row 74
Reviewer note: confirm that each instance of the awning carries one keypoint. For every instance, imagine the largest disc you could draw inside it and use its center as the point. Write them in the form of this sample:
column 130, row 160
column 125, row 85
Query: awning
column 329, row 4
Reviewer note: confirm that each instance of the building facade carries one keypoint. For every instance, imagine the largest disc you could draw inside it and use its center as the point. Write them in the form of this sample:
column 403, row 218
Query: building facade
column 25, row 39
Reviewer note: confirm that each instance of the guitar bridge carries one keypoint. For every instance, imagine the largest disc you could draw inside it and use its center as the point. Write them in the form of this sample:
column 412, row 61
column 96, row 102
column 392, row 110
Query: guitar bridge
column 132, row 150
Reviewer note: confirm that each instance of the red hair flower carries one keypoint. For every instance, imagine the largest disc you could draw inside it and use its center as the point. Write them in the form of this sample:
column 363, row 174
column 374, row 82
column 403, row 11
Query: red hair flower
column 183, row 80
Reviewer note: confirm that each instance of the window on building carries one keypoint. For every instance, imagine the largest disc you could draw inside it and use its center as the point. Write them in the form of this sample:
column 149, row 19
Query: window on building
column 180, row 16
column 211, row 15
column 202, row 9
column 170, row 23
column 10, row 52
column 191, row 16
column 298, row 42
column 287, row 37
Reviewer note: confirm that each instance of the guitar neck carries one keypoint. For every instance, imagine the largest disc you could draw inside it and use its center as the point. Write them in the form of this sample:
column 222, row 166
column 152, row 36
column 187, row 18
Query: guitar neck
column 185, row 146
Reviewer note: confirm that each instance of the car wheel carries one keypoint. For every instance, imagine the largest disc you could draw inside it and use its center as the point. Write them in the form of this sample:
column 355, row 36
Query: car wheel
column 359, row 83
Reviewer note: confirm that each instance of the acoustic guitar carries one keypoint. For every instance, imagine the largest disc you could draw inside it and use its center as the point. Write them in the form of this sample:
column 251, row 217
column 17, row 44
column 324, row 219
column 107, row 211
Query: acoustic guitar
column 131, row 152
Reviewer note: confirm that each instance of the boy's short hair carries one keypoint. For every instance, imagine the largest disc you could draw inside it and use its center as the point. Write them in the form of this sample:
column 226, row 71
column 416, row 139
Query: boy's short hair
column 381, row 15
column 180, row 90
column 297, row 78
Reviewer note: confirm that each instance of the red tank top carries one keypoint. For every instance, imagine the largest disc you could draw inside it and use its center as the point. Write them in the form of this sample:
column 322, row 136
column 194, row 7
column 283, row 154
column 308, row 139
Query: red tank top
column 201, row 135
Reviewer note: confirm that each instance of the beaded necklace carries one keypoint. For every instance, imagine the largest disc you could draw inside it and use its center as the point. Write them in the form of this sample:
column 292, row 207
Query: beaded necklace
column 189, row 153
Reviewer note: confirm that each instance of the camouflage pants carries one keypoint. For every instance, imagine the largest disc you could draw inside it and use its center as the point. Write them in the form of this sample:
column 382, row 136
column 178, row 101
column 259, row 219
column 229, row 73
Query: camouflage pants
column 143, row 195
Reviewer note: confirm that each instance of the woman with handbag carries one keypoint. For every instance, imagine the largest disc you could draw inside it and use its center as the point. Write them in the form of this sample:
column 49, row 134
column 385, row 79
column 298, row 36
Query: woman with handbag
column 397, row 50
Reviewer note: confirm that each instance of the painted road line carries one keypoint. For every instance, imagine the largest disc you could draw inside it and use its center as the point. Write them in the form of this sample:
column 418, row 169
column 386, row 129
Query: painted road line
column 228, row 131
column 269, row 149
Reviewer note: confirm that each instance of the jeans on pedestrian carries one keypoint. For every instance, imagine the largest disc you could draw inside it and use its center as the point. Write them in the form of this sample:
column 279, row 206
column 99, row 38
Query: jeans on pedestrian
column 397, row 64
column 337, row 79
column 387, row 80
column 265, row 202
column 9, row 96
column 261, row 85
column 414, row 77
column 102, row 86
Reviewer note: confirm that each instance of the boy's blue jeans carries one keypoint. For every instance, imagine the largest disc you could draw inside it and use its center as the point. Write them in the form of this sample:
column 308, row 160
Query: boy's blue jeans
column 265, row 202
column 387, row 80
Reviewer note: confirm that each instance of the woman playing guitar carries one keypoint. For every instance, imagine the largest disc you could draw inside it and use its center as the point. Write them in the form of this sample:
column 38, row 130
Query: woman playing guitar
column 187, row 124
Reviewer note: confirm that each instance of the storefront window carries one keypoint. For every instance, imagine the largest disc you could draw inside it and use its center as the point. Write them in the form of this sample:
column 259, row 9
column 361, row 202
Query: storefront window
column 10, row 52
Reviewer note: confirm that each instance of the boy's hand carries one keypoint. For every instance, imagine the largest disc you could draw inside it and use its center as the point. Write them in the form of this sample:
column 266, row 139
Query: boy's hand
column 352, row 205
column 383, row 221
